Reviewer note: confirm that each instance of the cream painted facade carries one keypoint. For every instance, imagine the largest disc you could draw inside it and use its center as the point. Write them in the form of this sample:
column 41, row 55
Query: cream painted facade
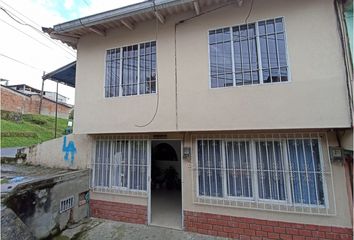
column 315, row 97
column 47, row 155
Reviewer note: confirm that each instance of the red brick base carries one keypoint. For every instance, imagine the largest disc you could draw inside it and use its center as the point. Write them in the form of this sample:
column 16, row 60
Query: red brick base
column 255, row 229
column 119, row 211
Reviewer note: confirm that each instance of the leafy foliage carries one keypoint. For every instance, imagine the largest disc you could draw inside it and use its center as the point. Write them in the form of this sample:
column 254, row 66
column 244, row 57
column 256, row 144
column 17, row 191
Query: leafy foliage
column 31, row 129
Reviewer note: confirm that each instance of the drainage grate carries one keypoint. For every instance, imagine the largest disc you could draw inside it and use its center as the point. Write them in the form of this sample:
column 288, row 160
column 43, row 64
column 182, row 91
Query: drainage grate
column 66, row 204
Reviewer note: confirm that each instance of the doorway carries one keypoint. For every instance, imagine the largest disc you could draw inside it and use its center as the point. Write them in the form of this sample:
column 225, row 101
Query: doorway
column 165, row 193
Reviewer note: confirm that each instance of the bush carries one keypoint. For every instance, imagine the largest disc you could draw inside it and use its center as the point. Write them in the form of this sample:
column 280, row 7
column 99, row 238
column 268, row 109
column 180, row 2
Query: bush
column 11, row 116
column 36, row 119
column 19, row 134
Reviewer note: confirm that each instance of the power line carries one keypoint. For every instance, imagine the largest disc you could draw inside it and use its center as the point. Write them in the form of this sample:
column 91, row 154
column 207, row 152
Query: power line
column 20, row 62
column 22, row 22
column 21, row 14
column 26, row 34
column 35, row 23
column 86, row 3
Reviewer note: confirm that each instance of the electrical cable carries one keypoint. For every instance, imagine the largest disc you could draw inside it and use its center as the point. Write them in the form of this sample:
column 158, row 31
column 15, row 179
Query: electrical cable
column 26, row 34
column 22, row 22
column 175, row 50
column 249, row 12
column 157, row 78
column 86, row 3
column 18, row 61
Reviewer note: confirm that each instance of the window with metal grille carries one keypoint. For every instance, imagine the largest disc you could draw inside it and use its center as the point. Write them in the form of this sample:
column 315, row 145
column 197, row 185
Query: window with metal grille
column 131, row 70
column 66, row 204
column 285, row 171
column 120, row 164
column 253, row 53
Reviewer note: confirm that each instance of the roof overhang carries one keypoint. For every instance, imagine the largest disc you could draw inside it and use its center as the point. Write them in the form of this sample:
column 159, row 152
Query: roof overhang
column 127, row 17
column 65, row 75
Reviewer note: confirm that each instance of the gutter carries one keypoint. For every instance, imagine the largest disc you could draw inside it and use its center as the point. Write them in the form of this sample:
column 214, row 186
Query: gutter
column 116, row 14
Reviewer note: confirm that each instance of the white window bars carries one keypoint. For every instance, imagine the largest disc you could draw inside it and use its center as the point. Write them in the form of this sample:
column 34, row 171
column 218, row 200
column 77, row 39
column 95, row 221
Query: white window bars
column 278, row 172
column 247, row 54
column 120, row 165
column 66, row 204
column 131, row 70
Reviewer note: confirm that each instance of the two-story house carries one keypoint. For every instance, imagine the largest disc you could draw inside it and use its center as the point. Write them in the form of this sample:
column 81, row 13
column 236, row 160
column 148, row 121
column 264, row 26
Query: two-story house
column 223, row 117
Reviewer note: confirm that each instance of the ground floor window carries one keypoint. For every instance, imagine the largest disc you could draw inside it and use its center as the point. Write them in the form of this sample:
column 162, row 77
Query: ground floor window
column 287, row 171
column 120, row 164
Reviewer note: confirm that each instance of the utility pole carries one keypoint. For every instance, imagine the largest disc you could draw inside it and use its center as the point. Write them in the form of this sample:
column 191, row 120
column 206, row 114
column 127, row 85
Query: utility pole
column 41, row 100
column 56, row 111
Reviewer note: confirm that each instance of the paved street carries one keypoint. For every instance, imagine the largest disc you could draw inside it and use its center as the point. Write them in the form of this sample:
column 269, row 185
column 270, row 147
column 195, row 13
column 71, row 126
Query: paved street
column 105, row 229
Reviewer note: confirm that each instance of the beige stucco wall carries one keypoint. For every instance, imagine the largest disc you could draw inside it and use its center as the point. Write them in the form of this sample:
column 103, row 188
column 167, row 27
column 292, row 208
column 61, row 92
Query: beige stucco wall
column 337, row 194
column 111, row 197
column 347, row 139
column 315, row 97
column 51, row 154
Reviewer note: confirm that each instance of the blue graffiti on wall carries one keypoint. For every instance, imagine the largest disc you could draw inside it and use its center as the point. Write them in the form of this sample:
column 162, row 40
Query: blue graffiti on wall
column 69, row 149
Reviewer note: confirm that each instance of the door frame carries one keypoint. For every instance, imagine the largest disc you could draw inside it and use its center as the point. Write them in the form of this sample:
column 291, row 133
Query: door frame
column 149, row 212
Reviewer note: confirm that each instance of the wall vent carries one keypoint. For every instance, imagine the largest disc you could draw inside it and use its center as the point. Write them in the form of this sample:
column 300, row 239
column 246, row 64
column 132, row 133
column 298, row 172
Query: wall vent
column 66, row 204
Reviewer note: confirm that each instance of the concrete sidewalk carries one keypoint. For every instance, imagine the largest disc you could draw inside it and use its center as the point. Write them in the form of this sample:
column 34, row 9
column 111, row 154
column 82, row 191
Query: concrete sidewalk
column 9, row 152
column 104, row 229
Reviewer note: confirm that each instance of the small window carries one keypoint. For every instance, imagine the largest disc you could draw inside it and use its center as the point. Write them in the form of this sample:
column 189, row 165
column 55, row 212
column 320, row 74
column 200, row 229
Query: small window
column 131, row 70
column 248, row 54
column 66, row 204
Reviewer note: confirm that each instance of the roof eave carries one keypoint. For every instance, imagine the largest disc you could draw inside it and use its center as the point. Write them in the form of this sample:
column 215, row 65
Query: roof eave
column 117, row 14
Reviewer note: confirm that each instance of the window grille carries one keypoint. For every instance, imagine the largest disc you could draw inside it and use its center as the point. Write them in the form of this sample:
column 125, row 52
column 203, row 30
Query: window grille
column 280, row 172
column 66, row 204
column 253, row 53
column 120, row 166
column 131, row 70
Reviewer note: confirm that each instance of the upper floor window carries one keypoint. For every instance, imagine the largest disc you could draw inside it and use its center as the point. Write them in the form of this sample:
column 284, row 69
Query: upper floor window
column 131, row 70
column 248, row 54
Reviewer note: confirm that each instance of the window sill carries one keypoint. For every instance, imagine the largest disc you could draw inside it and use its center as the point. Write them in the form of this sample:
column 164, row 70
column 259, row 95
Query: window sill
column 252, row 85
column 272, row 206
column 118, row 191
column 129, row 96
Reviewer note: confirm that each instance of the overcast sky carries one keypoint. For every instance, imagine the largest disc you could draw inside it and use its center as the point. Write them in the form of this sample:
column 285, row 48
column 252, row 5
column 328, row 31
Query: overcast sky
column 26, row 53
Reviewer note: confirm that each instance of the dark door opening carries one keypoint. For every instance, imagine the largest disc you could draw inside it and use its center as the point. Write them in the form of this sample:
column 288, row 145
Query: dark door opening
column 166, row 203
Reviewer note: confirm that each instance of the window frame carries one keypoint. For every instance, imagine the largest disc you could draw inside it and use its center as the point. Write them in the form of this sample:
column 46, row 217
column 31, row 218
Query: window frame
column 120, row 95
column 255, row 199
column 110, row 186
column 259, row 62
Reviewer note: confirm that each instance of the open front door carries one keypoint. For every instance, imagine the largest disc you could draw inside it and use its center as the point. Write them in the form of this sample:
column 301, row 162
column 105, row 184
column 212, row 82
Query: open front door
column 164, row 184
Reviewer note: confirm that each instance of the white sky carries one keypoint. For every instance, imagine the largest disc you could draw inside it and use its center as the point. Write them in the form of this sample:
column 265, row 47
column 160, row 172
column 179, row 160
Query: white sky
column 36, row 52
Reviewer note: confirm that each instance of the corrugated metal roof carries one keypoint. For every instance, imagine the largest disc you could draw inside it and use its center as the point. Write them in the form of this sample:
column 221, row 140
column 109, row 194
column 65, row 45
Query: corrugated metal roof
column 69, row 32
column 65, row 74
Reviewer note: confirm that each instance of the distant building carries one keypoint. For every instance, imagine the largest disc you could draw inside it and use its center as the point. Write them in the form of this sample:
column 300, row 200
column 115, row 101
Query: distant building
column 25, row 99
column 31, row 90
column 52, row 95
column 4, row 82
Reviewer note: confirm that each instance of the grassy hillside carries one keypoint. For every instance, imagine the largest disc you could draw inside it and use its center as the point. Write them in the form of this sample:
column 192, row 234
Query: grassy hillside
column 30, row 130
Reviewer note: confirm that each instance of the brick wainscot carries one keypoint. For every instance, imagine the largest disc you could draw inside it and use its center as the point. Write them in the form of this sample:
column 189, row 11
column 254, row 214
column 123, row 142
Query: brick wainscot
column 119, row 211
column 255, row 229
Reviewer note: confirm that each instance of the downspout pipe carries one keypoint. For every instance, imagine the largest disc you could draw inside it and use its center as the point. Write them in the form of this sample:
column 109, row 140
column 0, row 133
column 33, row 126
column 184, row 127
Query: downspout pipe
column 338, row 5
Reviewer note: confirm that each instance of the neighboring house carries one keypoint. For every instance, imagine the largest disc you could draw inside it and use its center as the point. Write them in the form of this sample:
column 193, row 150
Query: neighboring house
column 52, row 96
column 246, row 100
column 24, row 88
column 30, row 90
column 28, row 102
